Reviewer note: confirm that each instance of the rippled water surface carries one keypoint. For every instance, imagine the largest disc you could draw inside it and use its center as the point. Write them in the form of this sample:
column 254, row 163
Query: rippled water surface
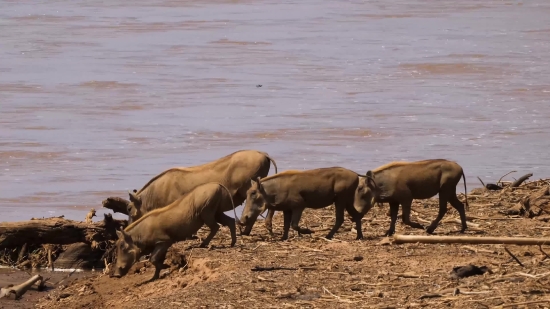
column 96, row 97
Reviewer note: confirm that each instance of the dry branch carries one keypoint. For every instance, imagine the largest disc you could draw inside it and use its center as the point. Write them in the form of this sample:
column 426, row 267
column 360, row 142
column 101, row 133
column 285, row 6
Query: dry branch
column 513, row 256
column 20, row 289
column 527, row 303
column 482, row 183
column 259, row 268
column 456, row 220
column 505, row 176
column 401, row 239
column 543, row 252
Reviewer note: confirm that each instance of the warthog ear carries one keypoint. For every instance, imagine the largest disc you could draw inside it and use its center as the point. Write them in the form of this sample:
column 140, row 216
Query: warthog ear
column 125, row 237
column 133, row 197
column 119, row 233
column 255, row 180
column 370, row 179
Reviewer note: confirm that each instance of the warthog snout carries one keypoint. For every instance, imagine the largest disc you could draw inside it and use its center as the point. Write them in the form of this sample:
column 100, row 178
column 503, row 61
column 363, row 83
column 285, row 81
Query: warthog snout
column 245, row 219
column 119, row 272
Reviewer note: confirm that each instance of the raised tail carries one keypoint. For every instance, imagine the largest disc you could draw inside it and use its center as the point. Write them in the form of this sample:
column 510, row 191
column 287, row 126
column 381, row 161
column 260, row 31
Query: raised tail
column 465, row 192
column 232, row 204
column 272, row 162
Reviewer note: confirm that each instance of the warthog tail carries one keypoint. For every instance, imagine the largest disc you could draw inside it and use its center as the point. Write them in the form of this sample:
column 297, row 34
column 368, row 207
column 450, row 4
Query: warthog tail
column 232, row 204
column 272, row 162
column 465, row 192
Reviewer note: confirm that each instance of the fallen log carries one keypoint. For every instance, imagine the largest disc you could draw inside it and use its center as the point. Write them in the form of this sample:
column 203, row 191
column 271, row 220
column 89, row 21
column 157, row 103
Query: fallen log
column 57, row 231
column 402, row 239
column 20, row 289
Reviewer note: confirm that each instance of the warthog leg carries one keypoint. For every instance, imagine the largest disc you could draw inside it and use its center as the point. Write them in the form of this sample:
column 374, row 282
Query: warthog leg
column 356, row 217
column 295, row 220
column 210, row 221
column 339, row 207
column 440, row 215
column 287, row 219
column 225, row 220
column 406, row 216
column 269, row 221
column 158, row 256
column 457, row 204
column 394, row 208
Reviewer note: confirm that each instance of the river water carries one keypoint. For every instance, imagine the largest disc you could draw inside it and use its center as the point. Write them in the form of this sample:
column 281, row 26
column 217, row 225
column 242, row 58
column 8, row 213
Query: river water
column 96, row 97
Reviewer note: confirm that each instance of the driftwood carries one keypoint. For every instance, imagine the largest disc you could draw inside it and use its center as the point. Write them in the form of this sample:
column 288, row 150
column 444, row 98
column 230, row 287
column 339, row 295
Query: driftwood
column 402, row 239
column 37, row 243
column 57, row 231
column 116, row 204
column 520, row 180
column 20, row 289
column 535, row 205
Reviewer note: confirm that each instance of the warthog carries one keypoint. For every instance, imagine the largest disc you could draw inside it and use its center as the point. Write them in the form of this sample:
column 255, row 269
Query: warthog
column 401, row 182
column 294, row 191
column 157, row 230
column 233, row 171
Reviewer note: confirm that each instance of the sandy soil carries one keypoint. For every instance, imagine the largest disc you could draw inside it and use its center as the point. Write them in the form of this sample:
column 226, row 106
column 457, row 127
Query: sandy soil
column 311, row 272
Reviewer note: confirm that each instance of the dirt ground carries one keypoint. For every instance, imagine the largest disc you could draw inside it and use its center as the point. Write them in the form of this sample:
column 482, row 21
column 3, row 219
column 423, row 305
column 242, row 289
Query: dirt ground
column 30, row 298
column 309, row 271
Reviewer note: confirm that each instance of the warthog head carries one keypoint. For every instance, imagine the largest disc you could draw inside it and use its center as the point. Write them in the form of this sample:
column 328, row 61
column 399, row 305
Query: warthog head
column 366, row 193
column 134, row 207
column 255, row 203
column 126, row 254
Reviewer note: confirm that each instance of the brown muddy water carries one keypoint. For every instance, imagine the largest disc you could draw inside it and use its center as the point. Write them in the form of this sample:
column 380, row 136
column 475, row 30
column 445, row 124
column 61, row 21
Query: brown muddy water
column 96, row 97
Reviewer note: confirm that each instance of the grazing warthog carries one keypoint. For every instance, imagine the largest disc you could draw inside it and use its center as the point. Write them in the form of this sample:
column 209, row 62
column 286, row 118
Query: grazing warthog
column 401, row 182
column 157, row 230
column 233, row 171
column 294, row 191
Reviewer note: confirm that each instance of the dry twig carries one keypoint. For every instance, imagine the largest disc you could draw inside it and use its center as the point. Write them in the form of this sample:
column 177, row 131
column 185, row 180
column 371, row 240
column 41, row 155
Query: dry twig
column 513, row 256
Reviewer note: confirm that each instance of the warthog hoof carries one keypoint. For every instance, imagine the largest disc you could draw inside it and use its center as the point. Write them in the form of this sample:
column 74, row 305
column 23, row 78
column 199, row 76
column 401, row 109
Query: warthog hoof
column 390, row 232
column 430, row 229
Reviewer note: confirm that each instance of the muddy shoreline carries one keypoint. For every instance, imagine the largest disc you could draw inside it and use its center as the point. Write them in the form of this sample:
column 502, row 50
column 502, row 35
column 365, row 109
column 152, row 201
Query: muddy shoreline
column 312, row 272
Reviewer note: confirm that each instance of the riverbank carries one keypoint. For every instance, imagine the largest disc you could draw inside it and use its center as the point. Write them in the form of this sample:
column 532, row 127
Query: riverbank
column 312, row 272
